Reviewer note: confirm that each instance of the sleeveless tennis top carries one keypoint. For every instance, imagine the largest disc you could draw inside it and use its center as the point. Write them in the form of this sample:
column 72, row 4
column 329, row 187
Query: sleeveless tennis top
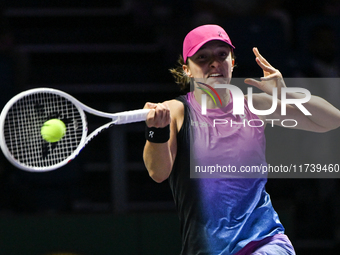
column 220, row 214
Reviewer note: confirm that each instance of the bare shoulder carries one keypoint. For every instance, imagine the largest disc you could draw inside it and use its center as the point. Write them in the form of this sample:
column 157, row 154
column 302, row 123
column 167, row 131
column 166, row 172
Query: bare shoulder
column 176, row 107
column 176, row 112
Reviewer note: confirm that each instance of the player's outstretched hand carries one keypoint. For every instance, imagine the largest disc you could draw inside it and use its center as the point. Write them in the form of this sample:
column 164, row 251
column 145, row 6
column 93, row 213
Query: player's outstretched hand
column 272, row 78
column 159, row 116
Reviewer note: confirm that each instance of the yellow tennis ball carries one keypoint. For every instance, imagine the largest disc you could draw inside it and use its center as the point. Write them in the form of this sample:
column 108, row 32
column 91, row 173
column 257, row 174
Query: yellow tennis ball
column 53, row 130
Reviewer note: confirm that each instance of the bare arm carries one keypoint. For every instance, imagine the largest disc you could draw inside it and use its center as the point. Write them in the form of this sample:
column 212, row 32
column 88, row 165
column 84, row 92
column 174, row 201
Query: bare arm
column 324, row 116
column 160, row 157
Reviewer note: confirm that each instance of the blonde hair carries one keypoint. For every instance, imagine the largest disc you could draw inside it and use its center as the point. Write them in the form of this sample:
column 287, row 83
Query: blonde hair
column 180, row 76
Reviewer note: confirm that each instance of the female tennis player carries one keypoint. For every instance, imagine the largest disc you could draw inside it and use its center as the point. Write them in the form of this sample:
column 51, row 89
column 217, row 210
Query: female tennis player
column 222, row 215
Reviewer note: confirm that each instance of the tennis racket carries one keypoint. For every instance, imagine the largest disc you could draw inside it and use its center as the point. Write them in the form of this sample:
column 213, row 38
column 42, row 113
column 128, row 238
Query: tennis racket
column 23, row 116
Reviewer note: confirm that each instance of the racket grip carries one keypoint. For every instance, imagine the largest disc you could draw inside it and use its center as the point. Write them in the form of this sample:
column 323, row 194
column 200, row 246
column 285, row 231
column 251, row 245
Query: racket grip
column 131, row 116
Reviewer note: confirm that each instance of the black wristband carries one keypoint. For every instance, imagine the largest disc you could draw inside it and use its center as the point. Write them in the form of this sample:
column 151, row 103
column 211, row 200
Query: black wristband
column 157, row 135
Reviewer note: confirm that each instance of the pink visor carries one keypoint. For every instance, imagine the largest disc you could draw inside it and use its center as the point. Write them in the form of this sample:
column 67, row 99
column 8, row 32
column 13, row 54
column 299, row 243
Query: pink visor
column 197, row 37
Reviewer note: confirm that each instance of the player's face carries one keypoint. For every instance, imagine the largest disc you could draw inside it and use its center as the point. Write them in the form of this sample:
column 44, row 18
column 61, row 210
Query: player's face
column 212, row 63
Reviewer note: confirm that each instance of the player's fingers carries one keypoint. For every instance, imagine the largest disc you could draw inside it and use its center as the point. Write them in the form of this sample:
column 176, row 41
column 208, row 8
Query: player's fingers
column 252, row 82
column 275, row 75
column 167, row 117
column 258, row 55
column 265, row 67
column 163, row 105
column 154, row 107
column 149, row 105
column 161, row 116
column 166, row 114
column 150, row 119
column 162, row 108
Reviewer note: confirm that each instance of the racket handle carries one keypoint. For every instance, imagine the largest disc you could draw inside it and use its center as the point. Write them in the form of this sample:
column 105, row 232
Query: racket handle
column 131, row 116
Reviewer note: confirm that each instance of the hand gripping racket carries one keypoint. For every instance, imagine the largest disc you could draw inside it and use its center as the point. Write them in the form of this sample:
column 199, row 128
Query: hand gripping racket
column 23, row 116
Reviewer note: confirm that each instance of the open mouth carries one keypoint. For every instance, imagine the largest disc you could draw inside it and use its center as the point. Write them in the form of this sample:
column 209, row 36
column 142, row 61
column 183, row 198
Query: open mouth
column 215, row 75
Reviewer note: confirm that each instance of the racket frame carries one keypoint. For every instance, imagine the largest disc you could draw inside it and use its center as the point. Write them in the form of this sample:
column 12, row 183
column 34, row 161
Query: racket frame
column 116, row 118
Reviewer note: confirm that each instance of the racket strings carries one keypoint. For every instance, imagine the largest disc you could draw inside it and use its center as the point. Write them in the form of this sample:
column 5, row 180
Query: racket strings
column 22, row 129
